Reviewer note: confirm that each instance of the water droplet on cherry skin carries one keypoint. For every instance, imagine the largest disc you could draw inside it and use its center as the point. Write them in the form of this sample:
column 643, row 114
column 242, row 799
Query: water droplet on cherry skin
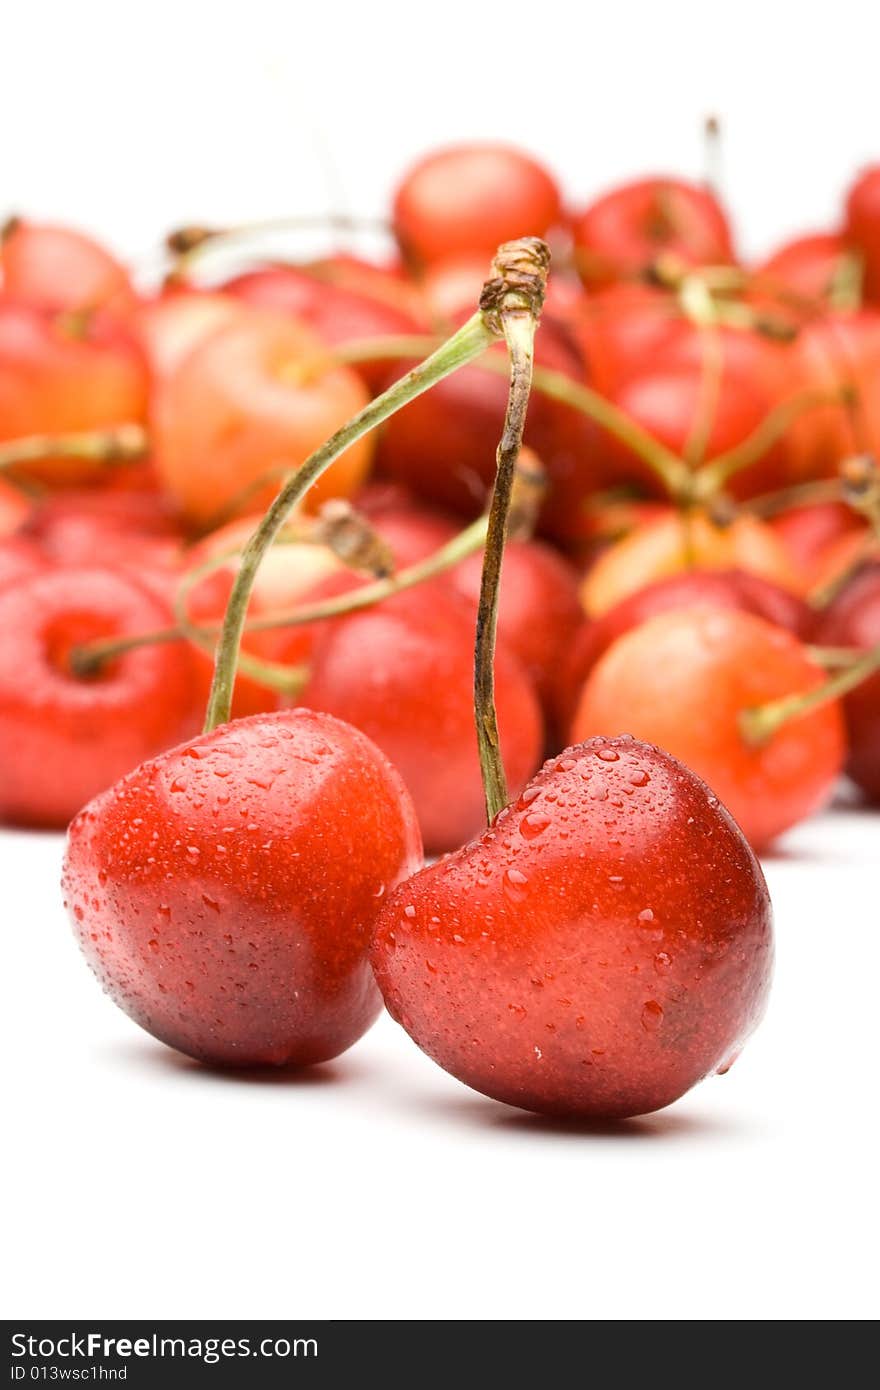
column 652, row 1016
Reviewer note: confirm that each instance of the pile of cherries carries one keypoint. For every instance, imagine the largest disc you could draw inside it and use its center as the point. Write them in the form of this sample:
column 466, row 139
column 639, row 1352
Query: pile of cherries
column 689, row 625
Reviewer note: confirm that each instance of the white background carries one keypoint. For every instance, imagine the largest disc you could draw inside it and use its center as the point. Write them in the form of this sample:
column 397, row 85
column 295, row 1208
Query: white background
column 141, row 1185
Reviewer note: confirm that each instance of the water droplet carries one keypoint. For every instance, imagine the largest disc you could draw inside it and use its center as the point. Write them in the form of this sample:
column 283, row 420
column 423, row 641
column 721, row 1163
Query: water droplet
column 639, row 778
column 608, row 755
column 534, row 824
column 518, row 1011
column 662, row 962
column 409, row 910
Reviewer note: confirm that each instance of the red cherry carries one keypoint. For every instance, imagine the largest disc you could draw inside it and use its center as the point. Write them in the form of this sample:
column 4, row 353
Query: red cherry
column 863, row 226
column 808, row 530
column 257, row 396
column 691, row 588
column 338, row 315
column 403, row 673
column 58, row 270
column 470, row 198
column 15, row 508
column 132, row 528
column 452, row 287
column 442, row 445
column 667, row 402
column 173, row 324
column 805, row 267
column 683, row 679
column 225, row 893
column 389, row 283
column 65, row 737
column 539, row 610
column 622, row 234
column 600, row 949
column 19, row 557
column 57, row 377
column 837, row 353
column 663, row 546
column 619, row 329
column 852, row 619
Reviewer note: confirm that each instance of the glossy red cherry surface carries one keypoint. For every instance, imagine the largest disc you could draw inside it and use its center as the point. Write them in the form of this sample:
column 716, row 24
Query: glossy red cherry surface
column 804, row 268
column 60, row 270
column 691, row 588
column 622, row 234
column 863, row 227
column 225, row 893
column 19, row 557
column 403, row 673
column 65, row 737
column 853, row 620
column 683, row 679
column 472, row 198
column 602, row 947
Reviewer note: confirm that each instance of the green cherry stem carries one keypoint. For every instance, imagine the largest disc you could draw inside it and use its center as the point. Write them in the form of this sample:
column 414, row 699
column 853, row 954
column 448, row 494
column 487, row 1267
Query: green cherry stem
column 118, row 444
column 513, row 302
column 470, row 340
column 759, row 725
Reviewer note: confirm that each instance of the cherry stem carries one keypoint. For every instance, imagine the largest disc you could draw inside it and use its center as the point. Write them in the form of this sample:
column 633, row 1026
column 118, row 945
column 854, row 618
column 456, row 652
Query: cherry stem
column 118, row 444
column 188, row 243
column 759, row 725
column 470, row 340
column 714, row 476
column 513, row 300
column 667, row 466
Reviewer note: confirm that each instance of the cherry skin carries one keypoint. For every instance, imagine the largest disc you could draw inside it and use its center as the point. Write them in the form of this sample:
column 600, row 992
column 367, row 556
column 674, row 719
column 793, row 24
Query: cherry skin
column 15, row 508
column 852, row 619
column 667, row 401
column 683, row 678
column 689, row 589
column 619, row 329
column 387, row 282
column 622, row 234
column 403, row 673
column 336, row 314
column 596, row 952
column 863, row 227
column 64, row 737
column 805, row 267
column 471, row 198
column 663, row 546
column 216, row 909
column 253, row 399
column 19, row 557
column 60, row 270
column 57, row 376
column 807, row 532
column 834, row 354
column 92, row 526
column 173, row 324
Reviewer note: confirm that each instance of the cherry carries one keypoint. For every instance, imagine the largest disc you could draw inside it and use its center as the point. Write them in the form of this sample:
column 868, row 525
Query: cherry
column 15, row 508
column 338, row 315
column 603, row 946
column 838, row 356
column 59, row 270
column 689, row 589
column 469, row 198
column 619, row 328
column 863, row 226
column 670, row 543
column 623, row 234
column 252, row 400
column 389, row 283
column 684, row 679
column 403, row 673
column 668, row 403
column 225, row 893
column 442, row 445
column 410, row 530
column 805, row 268
column 173, row 324
column 127, row 528
column 852, row 619
column 64, row 735
column 58, row 376
column 807, row 531
column 19, row 557
column 450, row 287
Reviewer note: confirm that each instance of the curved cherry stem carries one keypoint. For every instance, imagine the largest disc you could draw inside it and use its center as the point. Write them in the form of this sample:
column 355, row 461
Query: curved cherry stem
column 117, row 444
column 759, row 725
column 714, row 475
column 462, row 347
column 514, row 300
